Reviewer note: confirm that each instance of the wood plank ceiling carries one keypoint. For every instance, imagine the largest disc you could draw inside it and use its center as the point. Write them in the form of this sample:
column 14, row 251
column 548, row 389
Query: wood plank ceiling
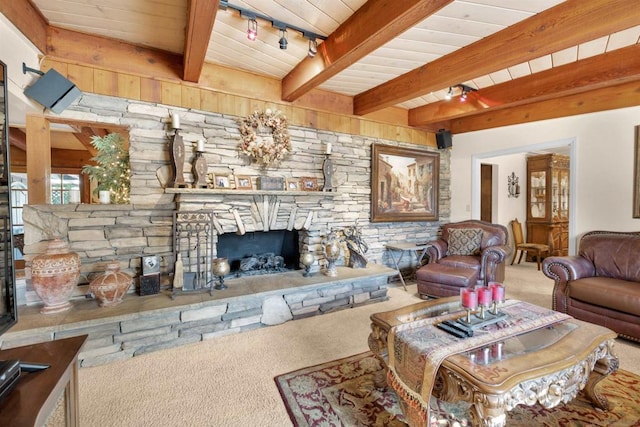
column 528, row 60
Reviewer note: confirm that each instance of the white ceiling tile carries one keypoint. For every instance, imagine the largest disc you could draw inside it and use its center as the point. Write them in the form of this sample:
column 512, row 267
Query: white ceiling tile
column 565, row 56
column 624, row 38
column 520, row 70
column 541, row 64
column 500, row 76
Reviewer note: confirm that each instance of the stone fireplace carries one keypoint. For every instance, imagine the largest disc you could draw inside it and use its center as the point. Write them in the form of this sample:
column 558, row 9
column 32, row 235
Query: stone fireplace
column 258, row 222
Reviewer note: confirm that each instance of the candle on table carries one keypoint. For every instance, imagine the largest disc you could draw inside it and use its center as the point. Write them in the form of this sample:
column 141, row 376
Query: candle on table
column 328, row 148
column 175, row 121
column 469, row 298
column 497, row 291
column 485, row 296
column 200, row 145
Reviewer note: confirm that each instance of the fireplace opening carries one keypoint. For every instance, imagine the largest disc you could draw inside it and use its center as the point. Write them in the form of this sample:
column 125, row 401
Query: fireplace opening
column 260, row 252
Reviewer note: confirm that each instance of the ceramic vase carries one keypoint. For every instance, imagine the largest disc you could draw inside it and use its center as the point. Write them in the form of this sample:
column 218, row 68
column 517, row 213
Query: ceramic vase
column 54, row 276
column 331, row 251
column 111, row 286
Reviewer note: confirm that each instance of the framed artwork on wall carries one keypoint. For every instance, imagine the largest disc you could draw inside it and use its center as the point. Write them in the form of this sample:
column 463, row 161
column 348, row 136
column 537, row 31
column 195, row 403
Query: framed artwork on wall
column 636, row 174
column 404, row 184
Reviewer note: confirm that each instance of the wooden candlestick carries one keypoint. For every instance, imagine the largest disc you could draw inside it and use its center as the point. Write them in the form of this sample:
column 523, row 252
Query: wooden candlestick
column 176, row 151
column 200, row 171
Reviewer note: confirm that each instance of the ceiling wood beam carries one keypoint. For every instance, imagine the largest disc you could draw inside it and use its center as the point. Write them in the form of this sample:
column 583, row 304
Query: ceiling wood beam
column 28, row 19
column 608, row 98
column 374, row 24
column 202, row 14
column 568, row 24
column 18, row 138
column 609, row 69
column 113, row 54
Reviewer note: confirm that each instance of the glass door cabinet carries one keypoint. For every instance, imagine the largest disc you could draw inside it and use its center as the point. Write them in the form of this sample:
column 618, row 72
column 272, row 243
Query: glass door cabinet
column 548, row 202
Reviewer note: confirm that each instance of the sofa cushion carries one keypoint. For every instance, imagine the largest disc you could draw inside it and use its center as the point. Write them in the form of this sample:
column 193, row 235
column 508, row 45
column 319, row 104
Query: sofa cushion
column 613, row 254
column 461, row 261
column 447, row 275
column 615, row 294
column 464, row 241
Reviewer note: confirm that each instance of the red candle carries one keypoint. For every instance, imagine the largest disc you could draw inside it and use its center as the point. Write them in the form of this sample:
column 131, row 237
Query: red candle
column 497, row 290
column 485, row 296
column 469, row 298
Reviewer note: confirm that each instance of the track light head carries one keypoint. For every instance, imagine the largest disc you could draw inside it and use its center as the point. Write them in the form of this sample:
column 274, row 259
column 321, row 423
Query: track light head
column 283, row 40
column 313, row 48
column 449, row 94
column 252, row 29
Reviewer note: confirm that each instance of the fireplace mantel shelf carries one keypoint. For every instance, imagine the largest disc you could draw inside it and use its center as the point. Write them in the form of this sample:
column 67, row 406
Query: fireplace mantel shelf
column 248, row 192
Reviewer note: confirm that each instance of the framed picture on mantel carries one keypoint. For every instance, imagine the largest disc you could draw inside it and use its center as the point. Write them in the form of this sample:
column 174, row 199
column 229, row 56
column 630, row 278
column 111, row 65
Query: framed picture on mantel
column 404, row 184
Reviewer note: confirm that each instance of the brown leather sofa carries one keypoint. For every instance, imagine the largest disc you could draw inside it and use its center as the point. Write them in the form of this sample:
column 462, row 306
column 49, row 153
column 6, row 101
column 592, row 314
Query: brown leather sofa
column 602, row 283
column 449, row 270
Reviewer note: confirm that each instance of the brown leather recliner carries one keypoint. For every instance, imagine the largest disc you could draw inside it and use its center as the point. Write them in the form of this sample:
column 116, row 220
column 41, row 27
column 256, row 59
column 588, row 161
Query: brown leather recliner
column 602, row 283
column 452, row 265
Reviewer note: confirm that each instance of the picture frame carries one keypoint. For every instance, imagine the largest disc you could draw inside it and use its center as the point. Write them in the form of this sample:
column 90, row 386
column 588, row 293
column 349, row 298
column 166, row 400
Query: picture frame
column 243, row 182
column 636, row 174
column 404, row 184
column 309, row 183
column 221, row 181
column 292, row 184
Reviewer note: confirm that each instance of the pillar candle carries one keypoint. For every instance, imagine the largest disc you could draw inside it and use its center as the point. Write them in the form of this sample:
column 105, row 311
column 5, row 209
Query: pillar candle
column 200, row 145
column 328, row 148
column 497, row 291
column 469, row 298
column 175, row 121
column 485, row 297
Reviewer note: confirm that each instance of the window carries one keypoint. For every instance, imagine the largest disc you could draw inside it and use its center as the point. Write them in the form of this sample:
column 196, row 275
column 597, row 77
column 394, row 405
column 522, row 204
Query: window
column 65, row 188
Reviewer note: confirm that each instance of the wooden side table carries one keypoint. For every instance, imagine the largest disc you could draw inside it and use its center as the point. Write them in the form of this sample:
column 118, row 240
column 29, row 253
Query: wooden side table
column 36, row 395
column 402, row 247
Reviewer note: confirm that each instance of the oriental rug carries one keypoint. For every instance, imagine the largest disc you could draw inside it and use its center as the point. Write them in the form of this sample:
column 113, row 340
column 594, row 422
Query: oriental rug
column 342, row 393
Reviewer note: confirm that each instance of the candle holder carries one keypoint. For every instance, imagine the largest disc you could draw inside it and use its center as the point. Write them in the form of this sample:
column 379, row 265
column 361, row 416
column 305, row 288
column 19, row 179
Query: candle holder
column 327, row 171
column 200, row 171
column 485, row 299
column 220, row 268
column 307, row 259
column 497, row 295
column 176, row 152
column 469, row 299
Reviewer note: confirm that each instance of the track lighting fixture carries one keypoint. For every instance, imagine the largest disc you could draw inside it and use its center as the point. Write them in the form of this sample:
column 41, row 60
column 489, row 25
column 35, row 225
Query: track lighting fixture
column 283, row 39
column 449, row 94
column 283, row 42
column 252, row 29
column 464, row 91
column 313, row 48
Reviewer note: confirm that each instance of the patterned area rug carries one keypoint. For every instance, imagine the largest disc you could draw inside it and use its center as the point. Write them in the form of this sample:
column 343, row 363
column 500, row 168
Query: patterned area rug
column 341, row 393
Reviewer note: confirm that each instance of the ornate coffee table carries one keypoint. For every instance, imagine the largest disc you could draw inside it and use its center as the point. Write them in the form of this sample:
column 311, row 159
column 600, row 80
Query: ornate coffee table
column 546, row 366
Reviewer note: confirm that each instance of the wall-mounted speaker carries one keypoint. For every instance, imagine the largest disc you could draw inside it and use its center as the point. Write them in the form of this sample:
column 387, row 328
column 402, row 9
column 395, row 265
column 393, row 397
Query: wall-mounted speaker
column 53, row 91
column 443, row 139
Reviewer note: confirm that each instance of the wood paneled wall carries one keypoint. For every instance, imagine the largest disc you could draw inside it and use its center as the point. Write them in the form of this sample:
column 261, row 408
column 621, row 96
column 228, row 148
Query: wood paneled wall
column 188, row 95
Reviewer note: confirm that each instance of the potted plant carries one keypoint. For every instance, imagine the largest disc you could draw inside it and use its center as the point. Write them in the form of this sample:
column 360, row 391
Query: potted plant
column 111, row 171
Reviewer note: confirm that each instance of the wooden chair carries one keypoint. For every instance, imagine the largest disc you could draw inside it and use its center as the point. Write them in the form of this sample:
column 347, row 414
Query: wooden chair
column 536, row 249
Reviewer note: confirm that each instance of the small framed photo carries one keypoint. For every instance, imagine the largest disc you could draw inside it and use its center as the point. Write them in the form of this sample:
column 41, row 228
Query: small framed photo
column 221, row 181
column 309, row 183
column 292, row 184
column 243, row 182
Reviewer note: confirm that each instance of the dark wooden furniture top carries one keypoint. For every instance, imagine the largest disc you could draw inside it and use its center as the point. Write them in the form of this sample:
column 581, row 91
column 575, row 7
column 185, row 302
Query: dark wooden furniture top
column 36, row 394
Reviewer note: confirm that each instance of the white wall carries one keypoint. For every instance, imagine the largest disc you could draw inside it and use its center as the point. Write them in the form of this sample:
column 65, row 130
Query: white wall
column 601, row 163
column 506, row 208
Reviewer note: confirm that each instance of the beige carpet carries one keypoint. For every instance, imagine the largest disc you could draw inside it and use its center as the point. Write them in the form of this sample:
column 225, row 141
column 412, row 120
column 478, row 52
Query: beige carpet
column 229, row 381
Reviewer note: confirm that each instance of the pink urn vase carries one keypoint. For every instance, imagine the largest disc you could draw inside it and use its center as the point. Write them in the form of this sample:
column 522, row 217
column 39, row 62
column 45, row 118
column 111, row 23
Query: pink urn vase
column 111, row 286
column 54, row 276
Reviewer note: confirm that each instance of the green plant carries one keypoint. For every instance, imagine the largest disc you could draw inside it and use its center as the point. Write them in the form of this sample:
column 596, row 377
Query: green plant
column 111, row 171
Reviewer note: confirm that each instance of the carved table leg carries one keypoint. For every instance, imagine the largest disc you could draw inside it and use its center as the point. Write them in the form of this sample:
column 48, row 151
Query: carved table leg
column 603, row 367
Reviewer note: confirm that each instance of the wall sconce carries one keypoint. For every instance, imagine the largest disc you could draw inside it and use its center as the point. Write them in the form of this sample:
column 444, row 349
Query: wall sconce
column 513, row 186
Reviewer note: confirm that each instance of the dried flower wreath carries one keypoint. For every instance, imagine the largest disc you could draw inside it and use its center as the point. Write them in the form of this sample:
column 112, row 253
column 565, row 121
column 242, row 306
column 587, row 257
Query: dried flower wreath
column 265, row 149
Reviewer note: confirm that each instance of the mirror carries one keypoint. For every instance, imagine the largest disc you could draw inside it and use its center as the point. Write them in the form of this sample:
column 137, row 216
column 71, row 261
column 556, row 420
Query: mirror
column 8, row 306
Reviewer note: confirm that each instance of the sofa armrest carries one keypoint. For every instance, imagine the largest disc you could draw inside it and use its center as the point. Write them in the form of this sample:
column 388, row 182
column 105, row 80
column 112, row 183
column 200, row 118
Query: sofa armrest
column 436, row 249
column 563, row 269
column 490, row 258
